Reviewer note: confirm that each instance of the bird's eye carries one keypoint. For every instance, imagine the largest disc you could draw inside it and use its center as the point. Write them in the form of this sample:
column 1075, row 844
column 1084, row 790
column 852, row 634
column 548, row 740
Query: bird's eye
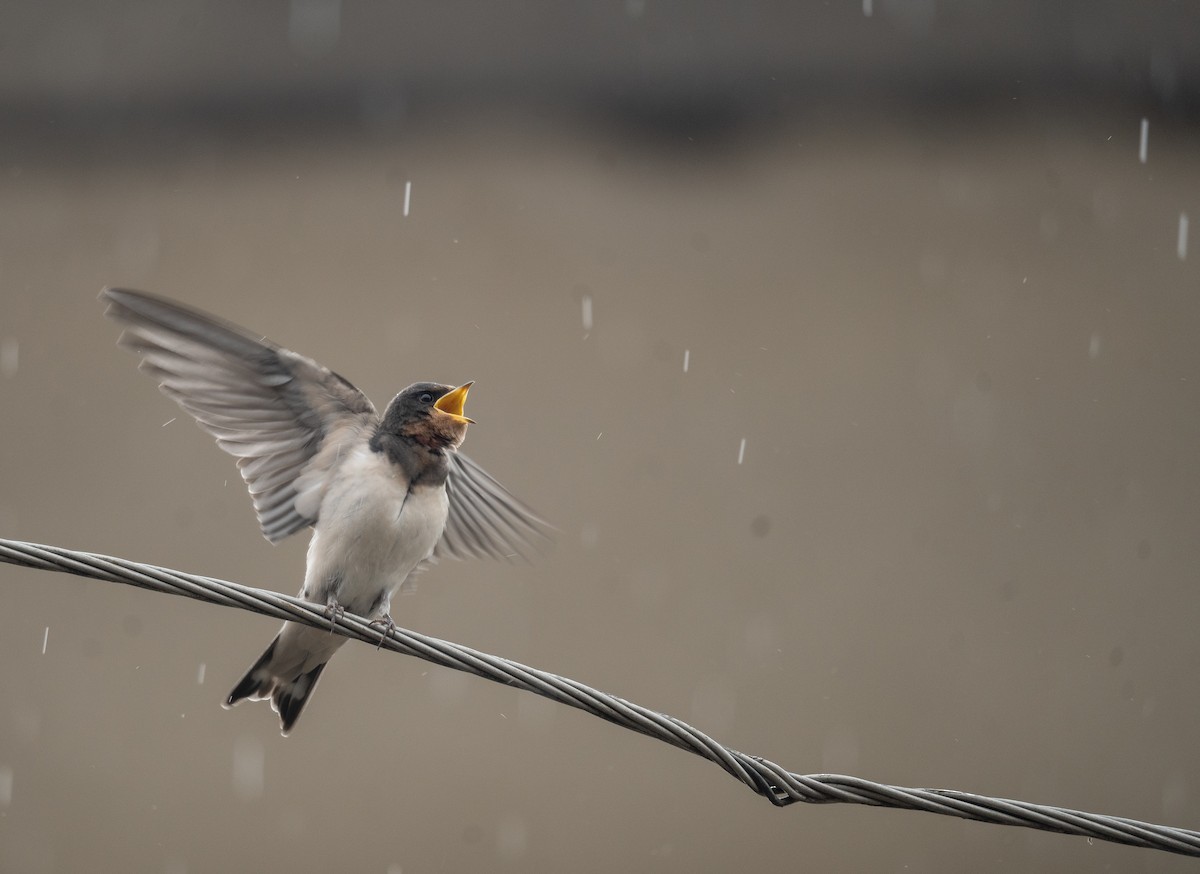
column 426, row 398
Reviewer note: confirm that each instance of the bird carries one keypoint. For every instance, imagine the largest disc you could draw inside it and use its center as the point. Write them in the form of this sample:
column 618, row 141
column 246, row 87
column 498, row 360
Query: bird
column 385, row 495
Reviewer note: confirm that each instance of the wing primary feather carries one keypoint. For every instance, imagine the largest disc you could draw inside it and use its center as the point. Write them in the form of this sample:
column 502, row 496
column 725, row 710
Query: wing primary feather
column 272, row 409
column 484, row 519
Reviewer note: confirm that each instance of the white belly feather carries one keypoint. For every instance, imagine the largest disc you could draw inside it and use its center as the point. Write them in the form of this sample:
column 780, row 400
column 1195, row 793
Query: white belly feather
column 371, row 533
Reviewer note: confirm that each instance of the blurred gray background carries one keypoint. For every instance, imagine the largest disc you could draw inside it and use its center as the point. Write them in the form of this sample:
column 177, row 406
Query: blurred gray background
column 916, row 255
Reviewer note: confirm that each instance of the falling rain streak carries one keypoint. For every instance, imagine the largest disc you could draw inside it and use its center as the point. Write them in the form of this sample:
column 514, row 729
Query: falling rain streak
column 1181, row 243
column 1144, row 140
column 45, row 639
column 687, row 357
column 407, row 197
column 742, row 450
column 587, row 312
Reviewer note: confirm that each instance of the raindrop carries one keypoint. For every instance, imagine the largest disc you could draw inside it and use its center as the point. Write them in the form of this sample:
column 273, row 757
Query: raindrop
column 45, row 639
column 868, row 8
column 587, row 312
column 1143, row 141
column 687, row 357
column 408, row 197
column 6, row 785
column 168, row 422
column 1181, row 244
column 742, row 450
column 1094, row 347
column 200, row 674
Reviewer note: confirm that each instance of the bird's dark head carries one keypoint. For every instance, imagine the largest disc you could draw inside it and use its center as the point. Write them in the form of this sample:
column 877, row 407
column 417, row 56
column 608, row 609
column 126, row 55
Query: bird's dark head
column 429, row 413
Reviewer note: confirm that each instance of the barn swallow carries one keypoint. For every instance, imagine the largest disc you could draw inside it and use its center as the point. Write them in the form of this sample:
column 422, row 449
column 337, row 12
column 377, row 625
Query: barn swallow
column 384, row 495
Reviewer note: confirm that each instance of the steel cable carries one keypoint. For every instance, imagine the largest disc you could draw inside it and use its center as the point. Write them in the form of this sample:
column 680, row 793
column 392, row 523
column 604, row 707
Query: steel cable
column 768, row 779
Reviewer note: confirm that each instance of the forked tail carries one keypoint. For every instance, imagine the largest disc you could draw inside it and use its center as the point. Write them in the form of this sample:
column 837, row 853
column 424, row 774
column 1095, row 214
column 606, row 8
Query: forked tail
column 287, row 695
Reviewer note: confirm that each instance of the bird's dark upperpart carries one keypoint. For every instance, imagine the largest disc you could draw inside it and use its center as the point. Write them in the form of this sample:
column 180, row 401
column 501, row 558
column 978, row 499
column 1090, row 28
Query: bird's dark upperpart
column 419, row 425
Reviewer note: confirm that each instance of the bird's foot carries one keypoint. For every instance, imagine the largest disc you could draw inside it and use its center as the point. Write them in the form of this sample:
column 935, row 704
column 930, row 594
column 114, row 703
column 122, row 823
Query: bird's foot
column 333, row 611
column 385, row 625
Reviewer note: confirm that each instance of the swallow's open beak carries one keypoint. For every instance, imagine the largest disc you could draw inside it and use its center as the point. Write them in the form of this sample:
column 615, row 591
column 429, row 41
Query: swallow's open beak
column 451, row 403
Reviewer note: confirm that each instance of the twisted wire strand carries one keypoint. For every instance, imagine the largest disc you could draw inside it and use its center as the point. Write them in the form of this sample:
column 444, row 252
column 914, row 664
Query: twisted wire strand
column 766, row 778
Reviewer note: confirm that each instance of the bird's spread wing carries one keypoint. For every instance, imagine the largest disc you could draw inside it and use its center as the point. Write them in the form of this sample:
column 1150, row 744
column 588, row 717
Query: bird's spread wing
column 284, row 416
column 485, row 520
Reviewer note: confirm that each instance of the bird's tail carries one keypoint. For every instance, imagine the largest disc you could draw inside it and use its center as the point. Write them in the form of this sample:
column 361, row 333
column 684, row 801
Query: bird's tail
column 274, row 677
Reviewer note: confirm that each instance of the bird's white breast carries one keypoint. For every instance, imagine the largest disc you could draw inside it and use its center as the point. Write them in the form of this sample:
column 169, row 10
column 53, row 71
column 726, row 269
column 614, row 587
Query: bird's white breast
column 372, row 531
